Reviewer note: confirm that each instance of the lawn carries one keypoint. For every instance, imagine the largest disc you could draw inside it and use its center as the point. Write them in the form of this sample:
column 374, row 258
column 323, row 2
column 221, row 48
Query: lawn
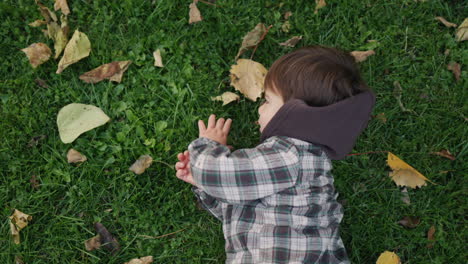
column 160, row 107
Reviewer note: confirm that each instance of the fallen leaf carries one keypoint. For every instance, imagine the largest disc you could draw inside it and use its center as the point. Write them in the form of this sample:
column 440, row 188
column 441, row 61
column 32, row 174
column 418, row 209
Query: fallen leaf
column 287, row 15
column 388, row 258
column 444, row 153
column 62, row 5
column 430, row 237
column 64, row 26
column 37, row 23
column 247, row 76
column 462, row 31
column 18, row 221
column 37, row 53
column 34, row 182
column 252, row 39
column 447, row 52
column 405, row 196
column 46, row 13
column 397, row 92
column 319, row 4
column 361, row 56
column 141, row 164
column 226, row 97
column 445, row 22
column 455, row 68
column 41, row 83
column 108, row 241
column 286, row 26
column 157, row 58
column 403, row 174
column 381, row 117
column 194, row 14
column 75, row 119
column 112, row 71
column 77, row 48
column 410, row 221
column 57, row 35
column 19, row 260
column 291, row 42
column 93, row 243
column 142, row 260
column 35, row 140
column 74, row 156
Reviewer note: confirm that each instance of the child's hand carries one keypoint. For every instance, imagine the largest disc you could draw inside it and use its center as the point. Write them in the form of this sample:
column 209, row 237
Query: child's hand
column 216, row 130
column 183, row 168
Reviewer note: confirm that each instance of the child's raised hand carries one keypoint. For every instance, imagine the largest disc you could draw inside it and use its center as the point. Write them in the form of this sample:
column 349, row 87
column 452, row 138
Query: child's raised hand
column 216, row 130
column 182, row 167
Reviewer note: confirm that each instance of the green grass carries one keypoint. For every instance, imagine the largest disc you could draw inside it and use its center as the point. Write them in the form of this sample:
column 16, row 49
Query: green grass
column 197, row 60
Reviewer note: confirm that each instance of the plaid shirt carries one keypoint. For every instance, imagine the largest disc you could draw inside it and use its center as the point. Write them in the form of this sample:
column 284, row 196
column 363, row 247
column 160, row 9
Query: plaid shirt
column 276, row 201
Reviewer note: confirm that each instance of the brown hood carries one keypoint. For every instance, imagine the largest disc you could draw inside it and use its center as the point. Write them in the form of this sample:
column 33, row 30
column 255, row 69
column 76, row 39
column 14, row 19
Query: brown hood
column 334, row 127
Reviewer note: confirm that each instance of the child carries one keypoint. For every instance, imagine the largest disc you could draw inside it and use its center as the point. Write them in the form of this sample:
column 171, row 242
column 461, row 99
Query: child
column 277, row 201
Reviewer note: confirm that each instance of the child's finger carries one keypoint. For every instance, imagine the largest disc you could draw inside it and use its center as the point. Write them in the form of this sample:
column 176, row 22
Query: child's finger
column 180, row 174
column 212, row 121
column 181, row 156
column 201, row 126
column 227, row 126
column 179, row 165
column 220, row 123
column 187, row 155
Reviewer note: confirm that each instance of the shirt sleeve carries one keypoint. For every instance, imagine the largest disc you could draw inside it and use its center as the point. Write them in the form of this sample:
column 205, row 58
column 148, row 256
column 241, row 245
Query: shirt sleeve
column 244, row 175
column 209, row 203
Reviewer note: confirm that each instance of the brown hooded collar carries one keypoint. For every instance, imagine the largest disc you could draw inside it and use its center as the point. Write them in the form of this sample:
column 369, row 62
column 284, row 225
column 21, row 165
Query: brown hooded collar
column 334, row 127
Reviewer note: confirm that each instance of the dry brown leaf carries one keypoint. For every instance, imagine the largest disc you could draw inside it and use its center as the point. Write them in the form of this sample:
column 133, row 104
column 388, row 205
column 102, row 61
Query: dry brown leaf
column 77, row 48
column 247, row 76
column 444, row 153
column 37, row 53
column 37, row 23
column 34, row 182
column 46, row 13
column 388, row 257
column 226, row 98
column 93, row 243
column 252, row 39
column 319, row 4
column 74, row 156
column 361, row 56
column 445, row 22
column 141, row 164
column 56, row 33
column 410, row 221
column 291, row 42
column 112, row 71
column 157, row 59
column 108, row 241
column 455, row 68
column 286, row 26
column 35, row 140
column 64, row 26
column 287, row 15
column 142, row 260
column 18, row 221
column 462, row 31
column 62, row 4
column 403, row 174
column 194, row 14
column 430, row 237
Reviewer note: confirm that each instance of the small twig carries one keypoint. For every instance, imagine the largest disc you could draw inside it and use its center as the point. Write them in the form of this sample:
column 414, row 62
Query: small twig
column 356, row 154
column 153, row 237
column 261, row 39
column 208, row 3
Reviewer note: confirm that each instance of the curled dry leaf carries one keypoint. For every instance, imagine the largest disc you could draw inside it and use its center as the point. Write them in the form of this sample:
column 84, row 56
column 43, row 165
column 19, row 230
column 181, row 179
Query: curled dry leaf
column 286, row 26
column 361, row 56
column 319, row 4
column 194, row 14
column 455, row 68
column 37, row 53
column 291, row 42
column 46, row 13
column 462, row 31
column 18, row 221
column 62, row 4
column 252, row 39
column 444, row 153
column 157, row 59
column 445, row 22
column 74, row 156
column 287, row 15
column 112, row 71
column 410, row 221
column 247, row 76
column 403, row 174
column 142, row 260
column 93, row 243
column 430, row 237
column 77, row 48
column 226, row 97
column 75, row 119
column 388, row 257
column 37, row 23
column 141, row 164
column 108, row 241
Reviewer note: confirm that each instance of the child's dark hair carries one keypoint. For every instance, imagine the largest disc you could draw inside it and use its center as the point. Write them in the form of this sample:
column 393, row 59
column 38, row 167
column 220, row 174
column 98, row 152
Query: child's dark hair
column 318, row 75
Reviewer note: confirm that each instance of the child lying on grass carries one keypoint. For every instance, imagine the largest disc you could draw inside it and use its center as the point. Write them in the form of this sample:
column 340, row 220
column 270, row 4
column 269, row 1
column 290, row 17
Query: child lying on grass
column 277, row 201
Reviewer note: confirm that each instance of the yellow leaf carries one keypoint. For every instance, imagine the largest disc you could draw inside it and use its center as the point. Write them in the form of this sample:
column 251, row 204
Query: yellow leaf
column 62, row 4
column 74, row 156
column 226, row 98
column 37, row 23
column 157, row 59
column 388, row 258
column 194, row 14
column 141, row 164
column 252, row 38
column 462, row 31
column 57, row 35
column 361, row 56
column 319, row 4
column 112, row 71
column 18, row 221
column 37, row 53
column 247, row 76
column 77, row 48
column 403, row 174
